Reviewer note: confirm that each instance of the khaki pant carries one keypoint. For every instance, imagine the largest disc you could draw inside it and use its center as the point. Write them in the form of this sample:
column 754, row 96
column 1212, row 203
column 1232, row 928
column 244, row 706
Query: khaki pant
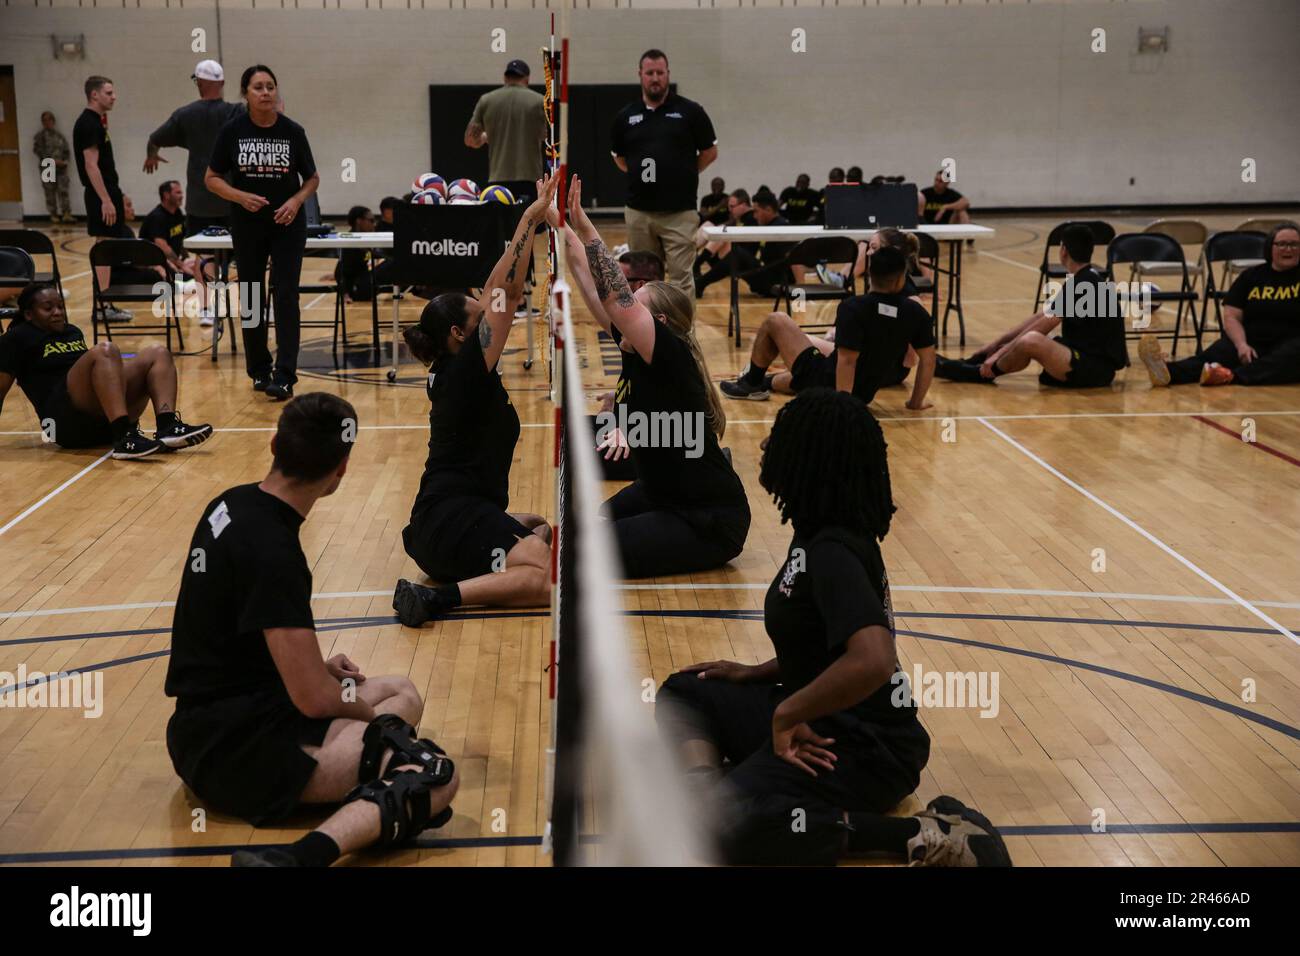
column 671, row 236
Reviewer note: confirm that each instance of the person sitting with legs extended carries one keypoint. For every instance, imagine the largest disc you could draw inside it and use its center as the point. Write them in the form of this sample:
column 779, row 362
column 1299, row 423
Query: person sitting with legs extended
column 1260, row 344
column 1091, row 347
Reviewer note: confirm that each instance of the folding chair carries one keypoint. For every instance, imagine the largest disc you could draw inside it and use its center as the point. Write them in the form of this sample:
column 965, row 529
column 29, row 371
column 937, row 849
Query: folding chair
column 35, row 243
column 1051, row 270
column 809, row 252
column 17, row 271
column 1237, row 251
column 1187, row 232
column 1133, row 248
column 928, row 254
column 329, row 286
column 140, row 256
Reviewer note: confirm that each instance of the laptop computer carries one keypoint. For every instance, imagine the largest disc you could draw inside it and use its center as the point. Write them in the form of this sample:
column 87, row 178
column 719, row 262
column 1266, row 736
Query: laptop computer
column 866, row 206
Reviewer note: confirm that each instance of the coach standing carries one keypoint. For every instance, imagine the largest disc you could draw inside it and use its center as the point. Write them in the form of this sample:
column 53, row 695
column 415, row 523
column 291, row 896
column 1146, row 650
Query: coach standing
column 194, row 127
column 663, row 143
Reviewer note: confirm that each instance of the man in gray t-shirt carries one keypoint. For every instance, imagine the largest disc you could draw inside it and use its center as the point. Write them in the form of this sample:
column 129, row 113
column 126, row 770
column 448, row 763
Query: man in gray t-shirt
column 194, row 127
column 511, row 122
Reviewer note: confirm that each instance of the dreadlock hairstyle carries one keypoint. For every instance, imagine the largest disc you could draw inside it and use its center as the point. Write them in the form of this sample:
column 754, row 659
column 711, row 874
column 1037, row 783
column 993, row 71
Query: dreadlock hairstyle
column 672, row 303
column 826, row 464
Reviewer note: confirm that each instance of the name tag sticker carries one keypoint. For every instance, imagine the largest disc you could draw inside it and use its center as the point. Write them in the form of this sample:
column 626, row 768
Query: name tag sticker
column 884, row 308
column 219, row 519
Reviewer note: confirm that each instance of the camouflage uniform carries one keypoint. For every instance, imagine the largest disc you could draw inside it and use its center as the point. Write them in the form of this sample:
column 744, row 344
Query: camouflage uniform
column 50, row 144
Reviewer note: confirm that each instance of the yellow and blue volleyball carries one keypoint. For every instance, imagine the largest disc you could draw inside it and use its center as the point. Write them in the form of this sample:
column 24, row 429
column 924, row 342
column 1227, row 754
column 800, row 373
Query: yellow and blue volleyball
column 497, row 194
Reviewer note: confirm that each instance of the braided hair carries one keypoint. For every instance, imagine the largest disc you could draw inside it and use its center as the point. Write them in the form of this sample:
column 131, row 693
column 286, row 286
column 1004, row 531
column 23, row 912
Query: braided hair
column 826, row 464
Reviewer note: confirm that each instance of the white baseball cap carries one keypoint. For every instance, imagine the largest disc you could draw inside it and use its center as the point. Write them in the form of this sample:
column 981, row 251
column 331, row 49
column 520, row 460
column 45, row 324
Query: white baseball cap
column 208, row 70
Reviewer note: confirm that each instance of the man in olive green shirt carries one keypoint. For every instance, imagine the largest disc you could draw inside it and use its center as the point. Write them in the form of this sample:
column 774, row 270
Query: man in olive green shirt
column 511, row 122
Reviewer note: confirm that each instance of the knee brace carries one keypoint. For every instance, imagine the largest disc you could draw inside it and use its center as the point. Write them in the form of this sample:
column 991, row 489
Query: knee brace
column 390, row 732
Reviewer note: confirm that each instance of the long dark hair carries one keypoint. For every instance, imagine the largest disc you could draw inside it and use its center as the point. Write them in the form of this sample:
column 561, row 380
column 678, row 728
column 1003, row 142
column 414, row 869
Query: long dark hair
column 27, row 299
column 248, row 77
column 826, row 464
column 428, row 340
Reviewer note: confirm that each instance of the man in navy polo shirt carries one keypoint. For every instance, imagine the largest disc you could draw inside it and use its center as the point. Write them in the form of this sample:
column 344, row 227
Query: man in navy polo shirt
column 663, row 141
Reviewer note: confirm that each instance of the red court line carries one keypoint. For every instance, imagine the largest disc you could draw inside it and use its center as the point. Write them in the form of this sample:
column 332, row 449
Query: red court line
column 1253, row 444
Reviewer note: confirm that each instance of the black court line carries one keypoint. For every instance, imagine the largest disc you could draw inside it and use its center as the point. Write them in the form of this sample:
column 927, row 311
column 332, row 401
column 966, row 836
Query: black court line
column 461, row 843
column 754, row 615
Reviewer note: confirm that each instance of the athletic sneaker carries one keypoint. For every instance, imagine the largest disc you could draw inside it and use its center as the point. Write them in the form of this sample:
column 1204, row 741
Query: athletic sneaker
column 955, row 370
column 828, row 277
column 181, row 435
column 743, row 390
column 259, row 384
column 135, row 445
column 271, row 856
column 1215, row 374
column 416, row 604
column 114, row 315
column 1151, row 356
column 277, row 389
column 952, row 834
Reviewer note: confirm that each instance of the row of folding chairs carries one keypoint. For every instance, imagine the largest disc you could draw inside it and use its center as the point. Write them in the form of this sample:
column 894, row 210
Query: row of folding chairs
column 1158, row 252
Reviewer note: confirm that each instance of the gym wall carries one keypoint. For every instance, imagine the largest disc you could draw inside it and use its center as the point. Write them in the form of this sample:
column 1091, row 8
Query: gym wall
column 1011, row 91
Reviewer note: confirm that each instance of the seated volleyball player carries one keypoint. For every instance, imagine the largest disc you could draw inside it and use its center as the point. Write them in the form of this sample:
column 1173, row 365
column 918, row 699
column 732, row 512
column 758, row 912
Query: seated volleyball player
column 761, row 265
column 687, row 509
column 828, row 726
column 264, row 724
column 87, row 397
column 1260, row 344
column 1088, row 352
column 461, row 534
column 873, row 333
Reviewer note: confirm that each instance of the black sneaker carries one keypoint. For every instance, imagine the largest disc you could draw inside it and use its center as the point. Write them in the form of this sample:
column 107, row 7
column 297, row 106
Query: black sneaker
column 259, row 384
column 135, row 445
column 181, row 435
column 957, row 371
column 271, row 856
column 952, row 834
column 278, row 389
column 743, row 390
column 416, row 604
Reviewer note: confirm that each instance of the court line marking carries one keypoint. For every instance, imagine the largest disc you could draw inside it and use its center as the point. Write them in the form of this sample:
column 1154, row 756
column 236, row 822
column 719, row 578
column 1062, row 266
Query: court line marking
column 1115, row 513
column 1011, row 262
column 1253, row 444
column 911, row 588
column 482, row 842
column 1215, row 413
column 32, row 508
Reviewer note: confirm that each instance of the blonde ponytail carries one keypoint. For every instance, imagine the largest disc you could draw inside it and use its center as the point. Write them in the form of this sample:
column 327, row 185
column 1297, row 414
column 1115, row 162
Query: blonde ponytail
column 674, row 305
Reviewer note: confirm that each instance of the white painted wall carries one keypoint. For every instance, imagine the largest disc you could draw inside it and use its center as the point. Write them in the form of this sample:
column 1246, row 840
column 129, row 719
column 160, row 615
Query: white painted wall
column 1012, row 92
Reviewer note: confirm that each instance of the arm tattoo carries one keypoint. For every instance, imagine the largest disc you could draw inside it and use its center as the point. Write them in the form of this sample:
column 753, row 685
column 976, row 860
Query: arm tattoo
column 524, row 239
column 607, row 275
column 484, row 332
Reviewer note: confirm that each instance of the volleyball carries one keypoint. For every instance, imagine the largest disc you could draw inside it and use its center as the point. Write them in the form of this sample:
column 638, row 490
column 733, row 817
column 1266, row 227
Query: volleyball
column 429, row 181
column 497, row 194
column 463, row 187
column 428, row 197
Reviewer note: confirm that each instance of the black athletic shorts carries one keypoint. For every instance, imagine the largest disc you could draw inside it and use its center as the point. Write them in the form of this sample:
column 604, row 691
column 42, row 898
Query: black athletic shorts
column 74, row 428
column 243, row 755
column 1086, row 371
column 95, row 215
column 460, row 538
column 812, row 370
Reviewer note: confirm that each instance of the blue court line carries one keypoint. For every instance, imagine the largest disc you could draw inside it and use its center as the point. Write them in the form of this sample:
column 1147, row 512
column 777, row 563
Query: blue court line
column 463, row 843
column 1243, row 713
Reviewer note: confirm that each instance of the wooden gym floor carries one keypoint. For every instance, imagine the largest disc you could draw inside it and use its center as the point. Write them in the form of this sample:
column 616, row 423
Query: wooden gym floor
column 1121, row 689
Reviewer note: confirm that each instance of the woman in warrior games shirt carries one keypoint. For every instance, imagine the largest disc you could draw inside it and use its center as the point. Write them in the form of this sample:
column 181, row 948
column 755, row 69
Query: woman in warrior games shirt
column 262, row 163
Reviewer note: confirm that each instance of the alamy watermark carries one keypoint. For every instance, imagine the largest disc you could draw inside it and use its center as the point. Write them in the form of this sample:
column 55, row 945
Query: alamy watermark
column 958, row 689
column 62, row 689
column 654, row 429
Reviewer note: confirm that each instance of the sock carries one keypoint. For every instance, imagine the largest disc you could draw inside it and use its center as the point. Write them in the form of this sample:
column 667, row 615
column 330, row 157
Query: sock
column 166, row 420
column 448, row 595
column 120, row 427
column 753, row 374
column 874, row 831
column 315, row 849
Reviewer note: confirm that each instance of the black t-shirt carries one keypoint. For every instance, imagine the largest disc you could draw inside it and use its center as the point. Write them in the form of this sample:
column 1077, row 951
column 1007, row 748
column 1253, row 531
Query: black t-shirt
column 771, row 252
column 832, row 585
column 167, row 226
column 473, row 429
column 800, row 205
column 91, row 130
column 1270, row 305
column 40, row 360
column 1094, row 324
column 713, row 208
column 673, row 135
column 670, row 383
column 880, row 328
column 268, row 161
column 244, row 572
column 933, row 200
